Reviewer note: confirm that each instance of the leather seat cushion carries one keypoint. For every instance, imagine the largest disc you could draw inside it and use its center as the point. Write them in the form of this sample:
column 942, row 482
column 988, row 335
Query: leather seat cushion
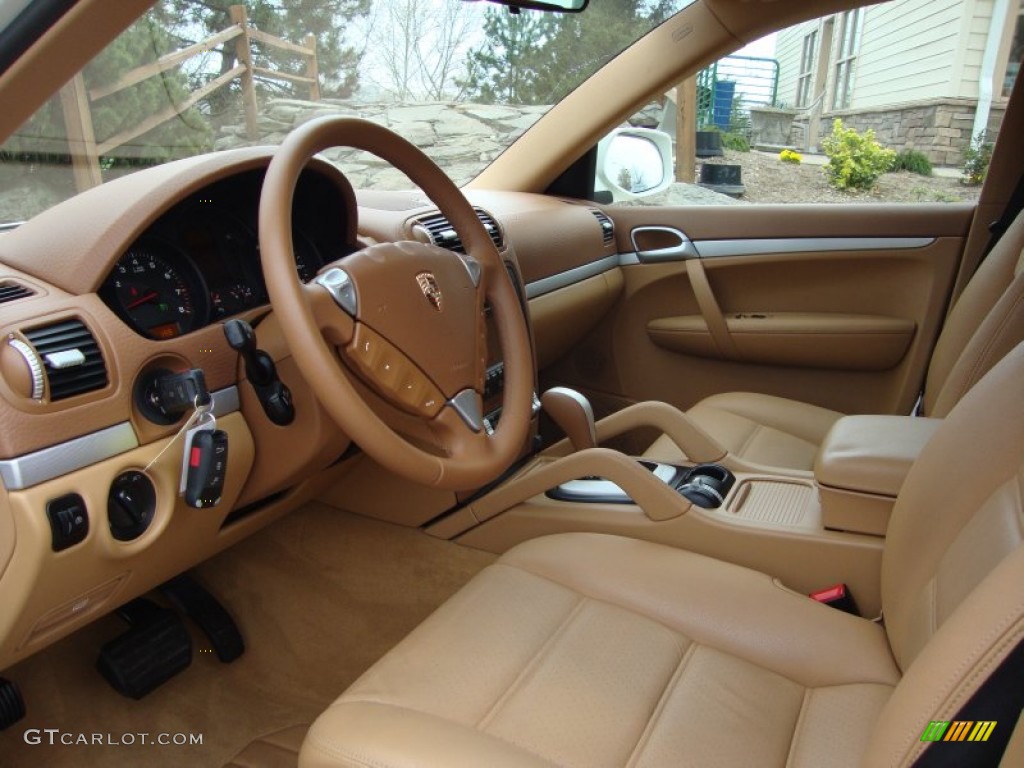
column 592, row 650
column 762, row 429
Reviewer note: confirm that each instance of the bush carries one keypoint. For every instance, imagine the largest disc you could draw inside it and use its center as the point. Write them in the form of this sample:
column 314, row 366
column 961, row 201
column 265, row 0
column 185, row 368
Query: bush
column 855, row 160
column 790, row 156
column 913, row 161
column 735, row 141
column 976, row 160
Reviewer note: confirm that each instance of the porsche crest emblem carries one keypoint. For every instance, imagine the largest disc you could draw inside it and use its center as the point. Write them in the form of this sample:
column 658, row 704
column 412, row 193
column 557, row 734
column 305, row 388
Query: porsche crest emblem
column 428, row 284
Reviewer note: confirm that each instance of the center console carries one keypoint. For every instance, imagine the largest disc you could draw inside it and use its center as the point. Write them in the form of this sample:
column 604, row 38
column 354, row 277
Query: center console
column 705, row 485
column 809, row 530
column 861, row 466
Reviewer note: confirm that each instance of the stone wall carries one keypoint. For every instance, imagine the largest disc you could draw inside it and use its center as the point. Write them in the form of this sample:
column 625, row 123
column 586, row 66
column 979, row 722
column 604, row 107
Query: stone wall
column 461, row 138
column 939, row 128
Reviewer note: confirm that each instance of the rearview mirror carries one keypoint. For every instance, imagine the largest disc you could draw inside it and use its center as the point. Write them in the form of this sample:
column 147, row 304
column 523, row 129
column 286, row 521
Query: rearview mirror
column 634, row 163
column 556, row 6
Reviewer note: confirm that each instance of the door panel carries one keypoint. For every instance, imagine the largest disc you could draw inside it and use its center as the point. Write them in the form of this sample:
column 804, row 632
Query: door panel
column 833, row 305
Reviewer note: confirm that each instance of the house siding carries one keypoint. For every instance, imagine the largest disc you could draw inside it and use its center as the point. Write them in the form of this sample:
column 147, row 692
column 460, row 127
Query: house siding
column 974, row 50
column 788, row 47
column 888, row 72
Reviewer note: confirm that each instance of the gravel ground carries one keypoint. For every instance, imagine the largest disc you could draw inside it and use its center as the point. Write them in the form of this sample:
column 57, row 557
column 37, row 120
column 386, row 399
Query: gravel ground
column 769, row 180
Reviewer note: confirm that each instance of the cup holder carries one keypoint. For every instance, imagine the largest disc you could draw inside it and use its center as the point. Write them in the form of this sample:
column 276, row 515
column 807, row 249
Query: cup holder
column 707, row 485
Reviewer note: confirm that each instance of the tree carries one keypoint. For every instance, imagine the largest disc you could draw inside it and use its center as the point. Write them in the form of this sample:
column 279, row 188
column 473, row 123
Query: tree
column 416, row 48
column 537, row 58
column 513, row 64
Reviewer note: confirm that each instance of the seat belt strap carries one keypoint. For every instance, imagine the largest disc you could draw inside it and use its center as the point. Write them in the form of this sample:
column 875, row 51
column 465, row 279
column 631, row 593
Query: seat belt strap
column 998, row 227
column 980, row 732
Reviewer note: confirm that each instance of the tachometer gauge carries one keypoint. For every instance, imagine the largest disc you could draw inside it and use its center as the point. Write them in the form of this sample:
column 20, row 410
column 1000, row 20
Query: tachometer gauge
column 156, row 294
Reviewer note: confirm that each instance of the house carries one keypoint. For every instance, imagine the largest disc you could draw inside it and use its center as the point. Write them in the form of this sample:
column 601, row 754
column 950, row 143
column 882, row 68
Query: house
column 924, row 74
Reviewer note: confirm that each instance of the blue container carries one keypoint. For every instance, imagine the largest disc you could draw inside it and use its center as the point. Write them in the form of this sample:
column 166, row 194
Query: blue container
column 722, row 108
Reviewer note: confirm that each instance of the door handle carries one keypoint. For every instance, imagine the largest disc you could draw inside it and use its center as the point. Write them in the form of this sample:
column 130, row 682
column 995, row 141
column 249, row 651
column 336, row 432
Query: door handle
column 679, row 251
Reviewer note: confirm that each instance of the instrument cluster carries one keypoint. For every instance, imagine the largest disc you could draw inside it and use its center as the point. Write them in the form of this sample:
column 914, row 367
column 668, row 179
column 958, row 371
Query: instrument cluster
column 200, row 262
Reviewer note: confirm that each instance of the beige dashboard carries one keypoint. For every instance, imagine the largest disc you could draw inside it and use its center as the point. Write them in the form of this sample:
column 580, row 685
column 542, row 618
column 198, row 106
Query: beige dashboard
column 60, row 439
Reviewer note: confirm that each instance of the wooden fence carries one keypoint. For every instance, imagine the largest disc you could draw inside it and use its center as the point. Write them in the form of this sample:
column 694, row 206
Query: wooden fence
column 77, row 100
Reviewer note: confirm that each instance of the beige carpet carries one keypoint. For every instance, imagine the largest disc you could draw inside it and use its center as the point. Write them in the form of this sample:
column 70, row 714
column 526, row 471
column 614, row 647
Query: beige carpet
column 319, row 596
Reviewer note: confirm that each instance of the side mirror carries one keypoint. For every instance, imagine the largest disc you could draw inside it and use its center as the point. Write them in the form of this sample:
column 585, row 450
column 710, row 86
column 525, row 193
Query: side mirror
column 634, row 163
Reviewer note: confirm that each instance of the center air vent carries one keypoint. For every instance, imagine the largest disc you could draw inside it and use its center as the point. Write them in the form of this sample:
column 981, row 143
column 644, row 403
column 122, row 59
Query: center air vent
column 607, row 228
column 72, row 361
column 443, row 234
column 10, row 290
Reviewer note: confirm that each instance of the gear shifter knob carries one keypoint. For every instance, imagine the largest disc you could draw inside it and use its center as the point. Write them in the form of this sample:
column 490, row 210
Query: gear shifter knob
column 571, row 411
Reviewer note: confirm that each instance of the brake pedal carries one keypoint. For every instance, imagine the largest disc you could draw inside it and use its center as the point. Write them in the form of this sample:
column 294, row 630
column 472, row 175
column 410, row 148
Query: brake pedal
column 195, row 601
column 12, row 706
column 155, row 647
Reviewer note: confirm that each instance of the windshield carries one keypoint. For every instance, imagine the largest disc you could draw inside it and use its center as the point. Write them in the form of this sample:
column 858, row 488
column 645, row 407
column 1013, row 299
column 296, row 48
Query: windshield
column 461, row 80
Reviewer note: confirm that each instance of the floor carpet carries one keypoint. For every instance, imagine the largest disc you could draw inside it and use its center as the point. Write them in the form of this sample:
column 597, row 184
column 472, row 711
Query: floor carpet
column 319, row 596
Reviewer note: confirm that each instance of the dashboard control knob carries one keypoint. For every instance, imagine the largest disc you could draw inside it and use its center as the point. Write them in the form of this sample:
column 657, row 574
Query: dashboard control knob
column 130, row 505
column 22, row 369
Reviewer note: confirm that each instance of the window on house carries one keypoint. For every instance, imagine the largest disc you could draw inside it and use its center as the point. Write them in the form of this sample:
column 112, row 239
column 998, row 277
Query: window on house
column 849, row 41
column 806, row 76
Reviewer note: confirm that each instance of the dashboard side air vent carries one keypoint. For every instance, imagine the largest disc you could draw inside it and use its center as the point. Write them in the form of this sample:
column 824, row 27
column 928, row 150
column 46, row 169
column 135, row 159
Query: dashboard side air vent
column 11, row 291
column 443, row 234
column 607, row 227
column 71, row 358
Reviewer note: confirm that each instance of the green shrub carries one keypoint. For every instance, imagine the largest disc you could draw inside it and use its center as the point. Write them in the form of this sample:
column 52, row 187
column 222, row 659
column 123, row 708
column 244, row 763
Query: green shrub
column 735, row 141
column 913, row 161
column 855, row 160
column 976, row 159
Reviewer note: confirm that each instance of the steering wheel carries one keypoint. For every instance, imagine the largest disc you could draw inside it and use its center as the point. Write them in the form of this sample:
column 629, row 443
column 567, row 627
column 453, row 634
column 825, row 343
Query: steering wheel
column 406, row 318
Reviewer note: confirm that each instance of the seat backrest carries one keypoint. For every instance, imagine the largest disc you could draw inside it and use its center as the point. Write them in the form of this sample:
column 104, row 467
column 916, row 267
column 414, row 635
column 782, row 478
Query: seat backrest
column 953, row 566
column 986, row 322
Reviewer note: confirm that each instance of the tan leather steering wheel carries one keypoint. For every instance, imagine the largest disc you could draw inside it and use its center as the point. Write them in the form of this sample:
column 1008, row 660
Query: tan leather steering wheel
column 407, row 318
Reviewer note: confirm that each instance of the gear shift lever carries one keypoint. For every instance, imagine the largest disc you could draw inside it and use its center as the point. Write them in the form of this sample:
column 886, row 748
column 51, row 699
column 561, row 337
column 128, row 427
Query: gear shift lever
column 571, row 411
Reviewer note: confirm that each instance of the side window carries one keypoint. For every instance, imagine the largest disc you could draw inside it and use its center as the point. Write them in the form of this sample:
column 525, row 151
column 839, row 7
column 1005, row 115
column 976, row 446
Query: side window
column 898, row 103
column 805, row 79
column 846, row 57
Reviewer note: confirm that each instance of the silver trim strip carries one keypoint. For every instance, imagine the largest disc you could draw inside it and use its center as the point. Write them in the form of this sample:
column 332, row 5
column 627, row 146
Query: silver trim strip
column 58, row 460
column 570, row 276
column 715, row 249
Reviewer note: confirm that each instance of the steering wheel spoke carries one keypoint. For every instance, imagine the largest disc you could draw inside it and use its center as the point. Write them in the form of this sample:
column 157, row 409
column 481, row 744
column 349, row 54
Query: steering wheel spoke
column 336, row 326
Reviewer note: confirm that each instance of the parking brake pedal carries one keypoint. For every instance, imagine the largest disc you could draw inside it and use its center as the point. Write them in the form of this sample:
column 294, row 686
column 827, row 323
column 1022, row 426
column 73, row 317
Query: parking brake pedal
column 192, row 599
column 155, row 647
column 12, row 706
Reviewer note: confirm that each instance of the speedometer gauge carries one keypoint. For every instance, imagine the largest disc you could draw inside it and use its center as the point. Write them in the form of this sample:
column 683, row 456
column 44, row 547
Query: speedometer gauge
column 156, row 295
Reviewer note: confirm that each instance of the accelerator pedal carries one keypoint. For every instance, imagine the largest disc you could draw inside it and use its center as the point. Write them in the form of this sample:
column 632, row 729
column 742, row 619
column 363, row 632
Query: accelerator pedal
column 191, row 598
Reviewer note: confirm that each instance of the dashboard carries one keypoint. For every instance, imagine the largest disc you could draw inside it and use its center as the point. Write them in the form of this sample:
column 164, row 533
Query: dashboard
column 200, row 262
column 134, row 279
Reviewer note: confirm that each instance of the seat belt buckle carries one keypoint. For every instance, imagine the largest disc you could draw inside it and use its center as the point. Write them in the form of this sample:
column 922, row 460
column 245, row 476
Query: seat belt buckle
column 837, row 596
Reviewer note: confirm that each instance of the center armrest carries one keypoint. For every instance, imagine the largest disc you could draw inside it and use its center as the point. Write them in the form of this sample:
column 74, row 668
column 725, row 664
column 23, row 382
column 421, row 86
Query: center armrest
column 861, row 467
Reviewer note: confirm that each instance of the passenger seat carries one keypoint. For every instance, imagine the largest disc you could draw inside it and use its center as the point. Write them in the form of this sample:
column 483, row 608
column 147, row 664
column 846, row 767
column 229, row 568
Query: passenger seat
column 985, row 324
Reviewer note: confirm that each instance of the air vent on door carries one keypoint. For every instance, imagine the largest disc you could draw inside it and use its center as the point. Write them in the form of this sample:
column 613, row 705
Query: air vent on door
column 442, row 233
column 72, row 360
column 607, row 228
column 10, row 291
